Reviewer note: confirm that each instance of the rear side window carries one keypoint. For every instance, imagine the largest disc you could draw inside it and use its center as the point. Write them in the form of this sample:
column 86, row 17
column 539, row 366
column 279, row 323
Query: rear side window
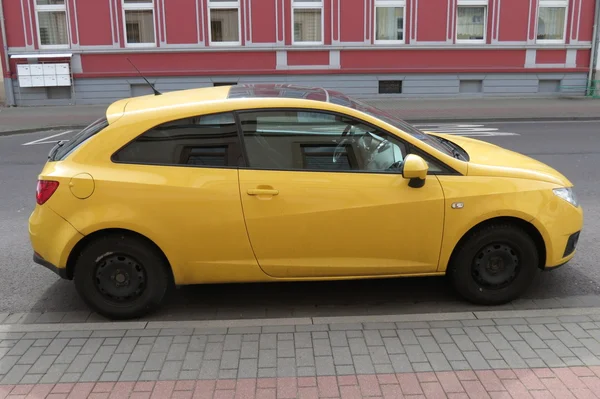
column 64, row 149
column 203, row 141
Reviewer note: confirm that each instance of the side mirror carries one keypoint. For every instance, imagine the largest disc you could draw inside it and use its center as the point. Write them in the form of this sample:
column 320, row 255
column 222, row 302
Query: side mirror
column 415, row 169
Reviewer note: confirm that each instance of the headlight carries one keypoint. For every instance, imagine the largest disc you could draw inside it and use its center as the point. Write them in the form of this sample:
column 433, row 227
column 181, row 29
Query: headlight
column 567, row 194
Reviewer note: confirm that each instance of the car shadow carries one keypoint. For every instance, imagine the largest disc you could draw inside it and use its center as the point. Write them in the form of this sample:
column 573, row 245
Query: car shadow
column 326, row 299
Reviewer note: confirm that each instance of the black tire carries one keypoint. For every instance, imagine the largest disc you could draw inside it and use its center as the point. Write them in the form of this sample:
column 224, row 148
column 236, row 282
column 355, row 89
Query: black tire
column 494, row 265
column 138, row 271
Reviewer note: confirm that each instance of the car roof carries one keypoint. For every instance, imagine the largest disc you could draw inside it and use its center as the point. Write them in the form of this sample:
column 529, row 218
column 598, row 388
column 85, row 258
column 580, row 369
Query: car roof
column 189, row 97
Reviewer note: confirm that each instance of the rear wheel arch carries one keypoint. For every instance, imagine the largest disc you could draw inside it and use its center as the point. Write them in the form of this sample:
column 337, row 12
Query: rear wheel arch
column 522, row 224
column 86, row 240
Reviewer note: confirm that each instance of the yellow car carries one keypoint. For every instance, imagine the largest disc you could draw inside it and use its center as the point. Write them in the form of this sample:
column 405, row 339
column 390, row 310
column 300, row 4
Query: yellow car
column 259, row 183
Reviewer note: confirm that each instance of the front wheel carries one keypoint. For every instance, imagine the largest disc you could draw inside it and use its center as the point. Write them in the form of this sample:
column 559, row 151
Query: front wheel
column 121, row 276
column 494, row 265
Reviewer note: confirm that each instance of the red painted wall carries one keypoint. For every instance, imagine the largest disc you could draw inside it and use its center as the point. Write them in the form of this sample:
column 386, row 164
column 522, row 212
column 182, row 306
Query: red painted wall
column 14, row 24
column 583, row 58
column 432, row 59
column 586, row 24
column 156, row 63
column 263, row 23
column 432, row 21
column 94, row 23
column 308, row 58
column 352, row 20
column 551, row 57
column 181, row 22
column 514, row 17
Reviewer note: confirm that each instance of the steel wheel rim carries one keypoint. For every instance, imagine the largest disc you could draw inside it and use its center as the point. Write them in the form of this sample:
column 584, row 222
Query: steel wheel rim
column 120, row 278
column 496, row 266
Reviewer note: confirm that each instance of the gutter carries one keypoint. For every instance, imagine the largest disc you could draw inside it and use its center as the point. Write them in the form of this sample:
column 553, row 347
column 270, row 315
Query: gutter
column 593, row 55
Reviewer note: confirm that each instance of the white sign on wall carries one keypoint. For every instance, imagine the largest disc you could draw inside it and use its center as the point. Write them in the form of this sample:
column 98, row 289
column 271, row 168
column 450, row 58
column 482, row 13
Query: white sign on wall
column 43, row 75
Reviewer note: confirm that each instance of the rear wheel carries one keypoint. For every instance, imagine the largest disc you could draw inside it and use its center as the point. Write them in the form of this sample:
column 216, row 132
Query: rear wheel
column 121, row 276
column 494, row 265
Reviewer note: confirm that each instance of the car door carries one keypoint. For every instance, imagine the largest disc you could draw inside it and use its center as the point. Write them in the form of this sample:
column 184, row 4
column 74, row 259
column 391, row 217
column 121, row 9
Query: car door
column 323, row 196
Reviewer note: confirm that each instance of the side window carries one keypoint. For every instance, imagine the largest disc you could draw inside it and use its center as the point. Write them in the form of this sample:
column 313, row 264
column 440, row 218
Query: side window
column 310, row 140
column 204, row 141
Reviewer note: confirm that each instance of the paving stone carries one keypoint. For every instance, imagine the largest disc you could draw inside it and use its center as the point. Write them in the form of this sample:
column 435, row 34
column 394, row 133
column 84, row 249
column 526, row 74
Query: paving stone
column 407, row 337
column 302, row 340
column 285, row 337
column 322, row 347
column 452, row 352
column 345, row 370
column 380, row 326
column 534, row 341
column 192, row 361
column 522, row 328
column 147, row 340
column 104, row 354
column 476, row 361
column 354, row 334
column 320, row 335
column 56, row 346
column 338, row 338
column 429, row 345
column 568, row 339
column 77, row 342
column 31, row 356
column 587, row 357
column 15, row 374
column 162, row 344
column 373, row 338
column 267, row 358
column 278, row 329
column 555, row 327
column 127, row 345
column 74, row 334
column 489, row 330
column 498, row 364
column 488, row 351
column 464, row 343
column 305, row 357
column 438, row 362
column 68, row 354
column 441, row 336
column 70, row 378
column 209, row 370
column 306, row 371
column 575, row 330
column 79, row 363
column 542, row 332
column 524, row 350
column 388, row 334
column 190, row 375
column 478, row 322
column 345, row 326
column 197, row 343
column 140, row 353
column 455, row 331
column 143, row 333
column 177, row 352
column 401, row 364
column 230, row 360
column 286, row 367
column 41, row 335
column 109, row 376
column 182, row 339
column 42, row 364
column 573, row 319
column 312, row 327
column 379, row 355
column 93, row 372
column 31, row 379
column 512, row 358
column 155, row 361
column 170, row 370
column 550, row 358
column 572, row 361
column 393, row 345
column 444, row 324
column 270, row 372
column 358, row 346
column 213, row 351
column 458, row 365
column 268, row 341
column 535, row 363
column 228, row 374
column 42, row 342
column 510, row 321
column 91, row 346
column 592, row 345
column 509, row 333
column 54, row 373
column 108, row 334
column 324, row 365
column 249, row 350
column 559, row 348
column 21, row 347
column 244, row 330
column 342, row 356
column 498, row 341
column 411, row 325
column 363, row 364
column 176, row 331
column 117, row 362
column 415, row 353
column 475, row 334
column 285, row 349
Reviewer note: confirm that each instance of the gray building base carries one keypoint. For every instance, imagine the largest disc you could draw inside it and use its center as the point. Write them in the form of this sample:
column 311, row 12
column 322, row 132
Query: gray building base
column 107, row 90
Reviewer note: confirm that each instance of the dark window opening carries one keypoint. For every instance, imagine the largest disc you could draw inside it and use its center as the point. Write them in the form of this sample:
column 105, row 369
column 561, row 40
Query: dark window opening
column 216, row 84
column 390, row 87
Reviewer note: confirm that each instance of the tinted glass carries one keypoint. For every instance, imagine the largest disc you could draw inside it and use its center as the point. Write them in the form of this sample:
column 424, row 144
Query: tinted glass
column 205, row 141
column 298, row 140
column 65, row 148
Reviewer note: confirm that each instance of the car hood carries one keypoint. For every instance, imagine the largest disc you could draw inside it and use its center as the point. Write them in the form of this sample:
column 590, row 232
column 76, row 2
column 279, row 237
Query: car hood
column 487, row 159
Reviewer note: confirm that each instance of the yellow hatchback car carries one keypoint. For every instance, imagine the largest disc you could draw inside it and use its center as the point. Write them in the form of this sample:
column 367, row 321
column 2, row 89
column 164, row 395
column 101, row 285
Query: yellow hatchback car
column 259, row 183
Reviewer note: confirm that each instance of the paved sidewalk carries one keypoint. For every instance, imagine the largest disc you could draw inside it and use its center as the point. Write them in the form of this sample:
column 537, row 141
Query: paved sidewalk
column 24, row 119
column 494, row 354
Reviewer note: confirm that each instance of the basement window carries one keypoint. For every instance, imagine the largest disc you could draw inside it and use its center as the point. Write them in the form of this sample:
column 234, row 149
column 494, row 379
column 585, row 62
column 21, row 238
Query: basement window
column 390, row 87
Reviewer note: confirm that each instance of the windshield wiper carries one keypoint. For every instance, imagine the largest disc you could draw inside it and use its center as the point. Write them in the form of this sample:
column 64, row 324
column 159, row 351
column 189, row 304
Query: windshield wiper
column 450, row 146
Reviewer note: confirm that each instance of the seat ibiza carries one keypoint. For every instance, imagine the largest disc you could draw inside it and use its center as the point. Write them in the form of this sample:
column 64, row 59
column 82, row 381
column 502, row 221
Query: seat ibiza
column 273, row 183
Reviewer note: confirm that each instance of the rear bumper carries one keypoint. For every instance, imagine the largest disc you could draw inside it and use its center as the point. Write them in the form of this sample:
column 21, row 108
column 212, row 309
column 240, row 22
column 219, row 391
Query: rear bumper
column 60, row 271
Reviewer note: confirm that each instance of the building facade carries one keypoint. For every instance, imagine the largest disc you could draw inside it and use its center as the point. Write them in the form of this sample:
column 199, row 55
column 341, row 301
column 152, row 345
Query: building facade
column 84, row 52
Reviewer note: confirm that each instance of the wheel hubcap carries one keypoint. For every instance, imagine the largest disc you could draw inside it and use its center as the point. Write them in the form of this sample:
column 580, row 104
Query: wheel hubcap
column 496, row 266
column 120, row 277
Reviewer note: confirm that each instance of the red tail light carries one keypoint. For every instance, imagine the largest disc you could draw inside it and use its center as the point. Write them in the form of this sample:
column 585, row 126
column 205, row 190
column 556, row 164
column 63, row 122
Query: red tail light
column 45, row 189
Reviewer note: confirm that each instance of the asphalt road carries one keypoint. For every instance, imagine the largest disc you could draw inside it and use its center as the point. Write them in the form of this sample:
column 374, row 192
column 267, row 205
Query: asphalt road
column 571, row 147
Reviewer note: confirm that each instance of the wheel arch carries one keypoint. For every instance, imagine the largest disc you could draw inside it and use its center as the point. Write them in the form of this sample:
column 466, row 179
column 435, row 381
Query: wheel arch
column 526, row 226
column 81, row 244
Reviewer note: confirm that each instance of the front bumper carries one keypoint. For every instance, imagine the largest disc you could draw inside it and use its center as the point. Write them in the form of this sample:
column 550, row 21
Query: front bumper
column 60, row 271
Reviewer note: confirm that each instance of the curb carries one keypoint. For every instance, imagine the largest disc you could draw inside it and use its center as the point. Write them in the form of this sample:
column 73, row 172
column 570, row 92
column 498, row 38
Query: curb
column 501, row 316
column 409, row 120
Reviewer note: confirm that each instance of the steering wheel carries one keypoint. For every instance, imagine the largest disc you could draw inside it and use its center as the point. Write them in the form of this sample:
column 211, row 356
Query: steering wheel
column 339, row 149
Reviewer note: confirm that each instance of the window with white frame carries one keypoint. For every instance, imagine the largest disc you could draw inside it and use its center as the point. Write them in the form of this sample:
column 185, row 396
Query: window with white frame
column 307, row 18
column 552, row 21
column 138, row 16
column 225, row 19
column 471, row 21
column 389, row 21
column 52, row 23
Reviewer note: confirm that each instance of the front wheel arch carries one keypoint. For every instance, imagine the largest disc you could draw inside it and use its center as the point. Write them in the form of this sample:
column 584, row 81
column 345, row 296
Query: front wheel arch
column 529, row 228
column 72, row 260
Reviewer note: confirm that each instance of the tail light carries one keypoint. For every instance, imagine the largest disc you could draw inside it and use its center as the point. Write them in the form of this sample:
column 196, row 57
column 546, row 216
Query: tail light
column 45, row 189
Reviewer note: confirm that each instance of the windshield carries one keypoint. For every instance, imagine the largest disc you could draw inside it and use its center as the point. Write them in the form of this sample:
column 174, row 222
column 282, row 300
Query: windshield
column 394, row 121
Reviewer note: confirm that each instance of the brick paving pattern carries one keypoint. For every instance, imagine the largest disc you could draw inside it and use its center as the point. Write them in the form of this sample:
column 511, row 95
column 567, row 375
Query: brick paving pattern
column 543, row 356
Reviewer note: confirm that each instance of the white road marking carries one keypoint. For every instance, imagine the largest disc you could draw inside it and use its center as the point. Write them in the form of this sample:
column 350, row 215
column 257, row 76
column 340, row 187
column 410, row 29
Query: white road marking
column 43, row 140
column 465, row 130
